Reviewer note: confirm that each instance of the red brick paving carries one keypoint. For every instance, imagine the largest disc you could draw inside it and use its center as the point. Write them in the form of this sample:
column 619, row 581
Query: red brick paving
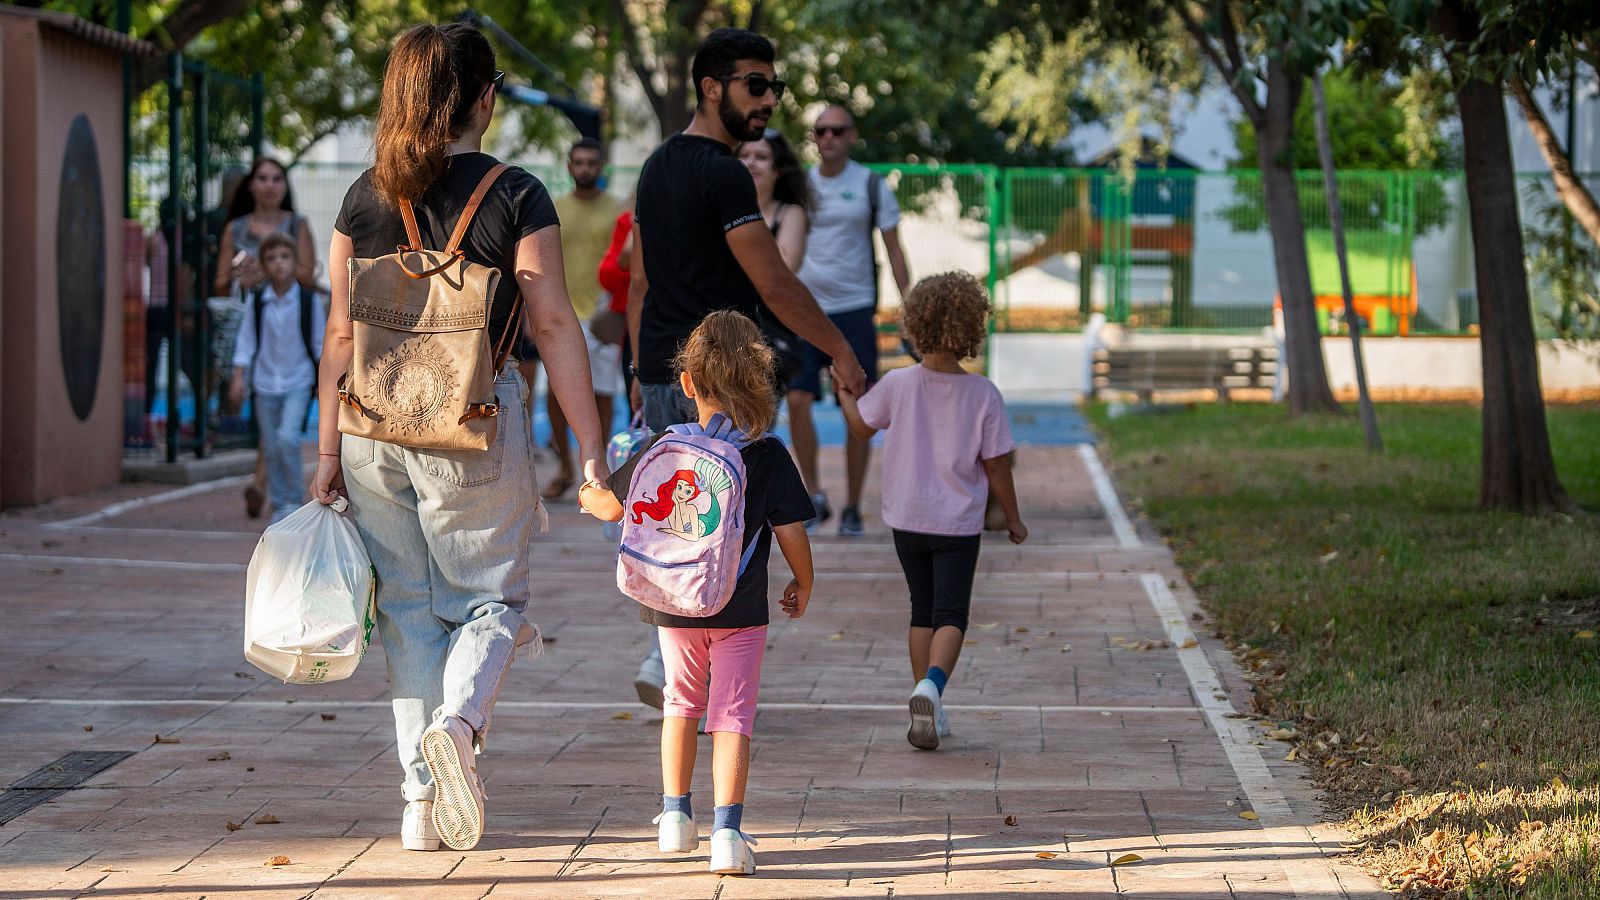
column 1096, row 750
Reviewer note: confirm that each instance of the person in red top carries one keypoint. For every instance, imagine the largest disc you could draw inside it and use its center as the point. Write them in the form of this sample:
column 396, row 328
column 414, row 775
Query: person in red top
column 614, row 280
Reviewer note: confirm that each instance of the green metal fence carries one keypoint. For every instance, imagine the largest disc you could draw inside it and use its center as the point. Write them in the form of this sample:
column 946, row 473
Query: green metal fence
column 1175, row 249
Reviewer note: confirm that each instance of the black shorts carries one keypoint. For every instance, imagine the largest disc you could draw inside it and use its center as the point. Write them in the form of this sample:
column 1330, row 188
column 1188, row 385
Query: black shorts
column 861, row 332
column 940, row 569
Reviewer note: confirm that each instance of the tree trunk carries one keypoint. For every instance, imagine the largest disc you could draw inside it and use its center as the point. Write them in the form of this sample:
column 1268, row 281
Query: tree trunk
column 1572, row 192
column 1308, row 376
column 1519, row 472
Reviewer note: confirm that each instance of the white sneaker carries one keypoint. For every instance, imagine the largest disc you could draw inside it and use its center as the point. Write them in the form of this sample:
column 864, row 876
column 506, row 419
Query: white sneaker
column 677, row 833
column 650, row 680
column 417, row 831
column 458, row 792
column 731, row 853
column 943, row 720
column 925, row 712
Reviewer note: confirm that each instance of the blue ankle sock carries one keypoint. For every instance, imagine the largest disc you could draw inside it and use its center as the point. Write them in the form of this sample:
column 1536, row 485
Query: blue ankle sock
column 730, row 816
column 939, row 677
column 677, row 804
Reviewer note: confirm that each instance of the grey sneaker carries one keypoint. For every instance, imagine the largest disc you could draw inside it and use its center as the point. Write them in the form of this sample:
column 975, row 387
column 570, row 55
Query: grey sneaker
column 650, row 680
column 824, row 511
column 925, row 712
column 850, row 522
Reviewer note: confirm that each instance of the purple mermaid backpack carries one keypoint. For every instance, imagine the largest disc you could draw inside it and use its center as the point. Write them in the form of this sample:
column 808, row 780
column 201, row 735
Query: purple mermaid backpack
column 683, row 521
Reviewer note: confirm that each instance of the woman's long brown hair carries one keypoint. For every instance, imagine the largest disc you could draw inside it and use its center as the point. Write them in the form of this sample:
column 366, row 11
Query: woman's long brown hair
column 434, row 77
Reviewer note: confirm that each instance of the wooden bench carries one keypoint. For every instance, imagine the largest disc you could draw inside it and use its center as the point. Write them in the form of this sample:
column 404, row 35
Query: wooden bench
column 1146, row 370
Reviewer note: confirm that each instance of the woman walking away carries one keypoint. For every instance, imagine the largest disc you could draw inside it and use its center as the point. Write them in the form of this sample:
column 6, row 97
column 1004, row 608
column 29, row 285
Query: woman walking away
column 263, row 204
column 713, row 663
column 447, row 530
column 784, row 193
column 946, row 449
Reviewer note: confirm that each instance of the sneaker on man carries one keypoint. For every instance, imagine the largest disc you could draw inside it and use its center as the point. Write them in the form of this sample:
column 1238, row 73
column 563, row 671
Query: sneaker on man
column 458, row 792
column 417, row 831
column 650, row 681
column 925, row 712
column 731, row 853
column 819, row 501
column 850, row 522
column 676, row 833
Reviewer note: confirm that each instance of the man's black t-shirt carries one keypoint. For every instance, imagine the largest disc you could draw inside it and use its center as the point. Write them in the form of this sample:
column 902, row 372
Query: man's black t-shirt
column 692, row 192
column 518, row 205
column 775, row 494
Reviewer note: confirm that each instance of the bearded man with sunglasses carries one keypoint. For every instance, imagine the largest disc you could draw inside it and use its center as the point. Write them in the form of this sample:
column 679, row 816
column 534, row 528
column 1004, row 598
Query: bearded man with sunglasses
column 701, row 244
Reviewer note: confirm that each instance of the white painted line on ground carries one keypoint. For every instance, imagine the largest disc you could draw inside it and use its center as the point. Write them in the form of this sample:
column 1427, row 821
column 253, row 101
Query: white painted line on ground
column 1308, row 877
column 125, row 563
column 127, row 506
column 179, row 533
column 1127, row 537
column 583, row 705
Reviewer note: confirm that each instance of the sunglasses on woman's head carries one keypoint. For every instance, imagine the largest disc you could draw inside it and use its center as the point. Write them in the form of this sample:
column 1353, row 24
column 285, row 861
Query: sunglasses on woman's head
column 758, row 84
column 835, row 130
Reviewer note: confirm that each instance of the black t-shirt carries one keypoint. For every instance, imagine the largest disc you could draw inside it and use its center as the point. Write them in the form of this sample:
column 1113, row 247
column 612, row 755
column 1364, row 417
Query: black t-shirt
column 518, row 205
column 692, row 192
column 776, row 495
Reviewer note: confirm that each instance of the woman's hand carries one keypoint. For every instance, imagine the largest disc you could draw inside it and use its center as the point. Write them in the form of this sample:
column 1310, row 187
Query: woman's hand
column 795, row 599
column 328, row 484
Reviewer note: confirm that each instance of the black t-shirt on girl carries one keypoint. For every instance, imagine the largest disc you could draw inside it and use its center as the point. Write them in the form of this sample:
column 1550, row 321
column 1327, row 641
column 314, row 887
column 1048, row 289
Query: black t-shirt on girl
column 518, row 205
column 692, row 192
column 777, row 496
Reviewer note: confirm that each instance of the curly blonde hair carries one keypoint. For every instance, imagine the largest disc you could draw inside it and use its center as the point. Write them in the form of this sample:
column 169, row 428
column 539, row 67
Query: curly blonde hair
column 731, row 365
column 948, row 313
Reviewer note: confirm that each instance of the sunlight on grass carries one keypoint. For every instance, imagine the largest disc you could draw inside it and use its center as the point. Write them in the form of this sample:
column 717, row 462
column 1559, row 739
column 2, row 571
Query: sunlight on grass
column 1413, row 642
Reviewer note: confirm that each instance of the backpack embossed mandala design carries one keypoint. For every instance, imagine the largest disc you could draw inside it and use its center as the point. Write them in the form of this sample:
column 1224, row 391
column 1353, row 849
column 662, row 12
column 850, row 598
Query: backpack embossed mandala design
column 423, row 369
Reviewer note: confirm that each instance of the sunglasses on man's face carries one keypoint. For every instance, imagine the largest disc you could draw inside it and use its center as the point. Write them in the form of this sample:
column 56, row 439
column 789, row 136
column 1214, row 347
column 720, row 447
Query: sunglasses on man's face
column 835, row 130
column 758, row 84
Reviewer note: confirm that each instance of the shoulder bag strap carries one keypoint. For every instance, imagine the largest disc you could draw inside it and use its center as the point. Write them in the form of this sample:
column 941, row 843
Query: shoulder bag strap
column 473, row 202
column 409, row 216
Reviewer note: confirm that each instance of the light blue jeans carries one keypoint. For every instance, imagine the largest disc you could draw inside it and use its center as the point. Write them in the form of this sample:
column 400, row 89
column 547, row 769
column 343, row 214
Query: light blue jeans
column 281, row 420
column 448, row 533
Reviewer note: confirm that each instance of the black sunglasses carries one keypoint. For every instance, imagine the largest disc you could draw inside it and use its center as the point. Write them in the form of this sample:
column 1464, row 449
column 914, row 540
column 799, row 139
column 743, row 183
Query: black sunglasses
column 498, row 80
column 758, row 84
column 835, row 130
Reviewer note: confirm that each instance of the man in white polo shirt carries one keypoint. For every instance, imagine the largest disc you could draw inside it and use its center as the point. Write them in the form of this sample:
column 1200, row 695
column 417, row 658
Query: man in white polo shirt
column 841, row 269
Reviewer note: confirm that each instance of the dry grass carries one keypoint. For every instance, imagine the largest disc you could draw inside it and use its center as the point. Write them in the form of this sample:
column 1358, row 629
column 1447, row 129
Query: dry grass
column 1417, row 651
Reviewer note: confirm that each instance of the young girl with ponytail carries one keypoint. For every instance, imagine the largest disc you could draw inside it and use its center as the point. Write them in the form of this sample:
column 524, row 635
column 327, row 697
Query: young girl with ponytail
column 713, row 664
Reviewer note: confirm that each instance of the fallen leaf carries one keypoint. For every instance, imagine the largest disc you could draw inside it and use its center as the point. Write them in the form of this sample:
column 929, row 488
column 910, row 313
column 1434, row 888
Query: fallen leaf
column 1189, row 644
column 219, row 757
column 1045, row 854
column 1066, row 648
column 249, row 768
column 267, row 819
column 1126, row 858
column 1294, row 754
column 1586, row 634
column 1011, row 820
column 88, row 728
column 1249, row 816
column 987, row 625
column 234, row 826
column 622, row 716
column 243, row 675
column 1483, row 767
column 109, row 869
column 1328, row 557
column 1023, row 629
column 836, row 636
column 1283, row 734
column 166, row 740
column 329, row 717
column 968, row 642
column 277, row 861
column 1557, row 784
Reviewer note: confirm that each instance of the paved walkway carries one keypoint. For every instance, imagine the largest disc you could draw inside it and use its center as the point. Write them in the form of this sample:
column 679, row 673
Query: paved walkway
column 1073, row 747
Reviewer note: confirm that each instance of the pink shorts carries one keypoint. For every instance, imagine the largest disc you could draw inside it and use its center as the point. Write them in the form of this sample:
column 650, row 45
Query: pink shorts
column 726, row 698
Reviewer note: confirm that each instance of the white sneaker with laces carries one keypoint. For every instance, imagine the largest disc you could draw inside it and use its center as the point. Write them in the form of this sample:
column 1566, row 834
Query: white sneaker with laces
column 677, row 833
column 458, row 792
column 650, row 680
column 416, row 827
column 925, row 712
column 731, row 853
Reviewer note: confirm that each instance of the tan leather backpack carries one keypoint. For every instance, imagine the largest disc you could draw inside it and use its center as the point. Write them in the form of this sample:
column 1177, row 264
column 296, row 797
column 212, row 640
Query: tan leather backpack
column 422, row 374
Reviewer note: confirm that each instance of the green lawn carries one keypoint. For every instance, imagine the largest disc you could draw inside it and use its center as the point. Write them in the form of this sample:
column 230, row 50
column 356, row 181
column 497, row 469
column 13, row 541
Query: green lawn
column 1426, row 650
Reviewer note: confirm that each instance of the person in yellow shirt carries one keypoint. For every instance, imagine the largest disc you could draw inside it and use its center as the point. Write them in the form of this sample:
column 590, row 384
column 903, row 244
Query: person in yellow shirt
column 588, row 215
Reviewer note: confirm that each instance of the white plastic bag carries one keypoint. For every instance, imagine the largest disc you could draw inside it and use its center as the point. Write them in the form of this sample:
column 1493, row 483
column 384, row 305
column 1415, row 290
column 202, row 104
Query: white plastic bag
column 310, row 600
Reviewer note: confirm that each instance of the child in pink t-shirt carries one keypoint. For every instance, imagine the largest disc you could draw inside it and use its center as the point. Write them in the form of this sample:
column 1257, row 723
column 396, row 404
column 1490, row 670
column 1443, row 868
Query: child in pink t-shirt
column 945, row 449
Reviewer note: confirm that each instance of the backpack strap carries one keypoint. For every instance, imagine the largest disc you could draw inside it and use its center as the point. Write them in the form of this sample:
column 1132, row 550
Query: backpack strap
column 307, row 297
column 720, row 427
column 874, row 188
column 408, row 215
